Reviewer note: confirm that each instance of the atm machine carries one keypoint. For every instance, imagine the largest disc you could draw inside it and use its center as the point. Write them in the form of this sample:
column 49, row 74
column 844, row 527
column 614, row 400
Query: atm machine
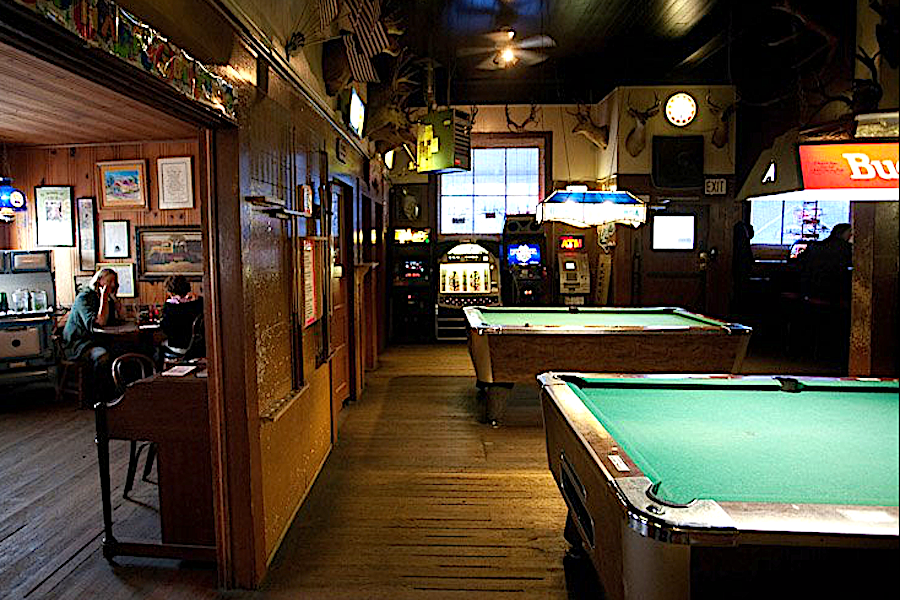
column 573, row 270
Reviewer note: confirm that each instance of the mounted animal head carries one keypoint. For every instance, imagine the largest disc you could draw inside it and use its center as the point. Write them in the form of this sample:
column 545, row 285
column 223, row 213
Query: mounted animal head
column 637, row 137
column 719, row 137
column 523, row 126
column 597, row 134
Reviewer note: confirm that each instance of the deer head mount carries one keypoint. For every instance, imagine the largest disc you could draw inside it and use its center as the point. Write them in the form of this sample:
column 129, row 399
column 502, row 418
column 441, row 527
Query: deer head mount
column 637, row 137
column 596, row 134
column 720, row 133
column 523, row 126
column 390, row 124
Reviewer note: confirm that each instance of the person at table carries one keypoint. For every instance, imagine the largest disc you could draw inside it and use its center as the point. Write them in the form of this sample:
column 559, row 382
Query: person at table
column 825, row 267
column 95, row 307
column 181, row 310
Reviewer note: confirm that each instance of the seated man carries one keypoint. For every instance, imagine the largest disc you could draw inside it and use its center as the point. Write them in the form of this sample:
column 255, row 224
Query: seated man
column 179, row 312
column 825, row 267
column 96, row 306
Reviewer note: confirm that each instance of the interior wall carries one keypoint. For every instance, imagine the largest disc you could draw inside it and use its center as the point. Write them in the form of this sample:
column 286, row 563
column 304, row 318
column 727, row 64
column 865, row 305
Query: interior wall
column 76, row 167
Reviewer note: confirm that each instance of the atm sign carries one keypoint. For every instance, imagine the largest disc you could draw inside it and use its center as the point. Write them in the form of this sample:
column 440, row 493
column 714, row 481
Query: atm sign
column 571, row 242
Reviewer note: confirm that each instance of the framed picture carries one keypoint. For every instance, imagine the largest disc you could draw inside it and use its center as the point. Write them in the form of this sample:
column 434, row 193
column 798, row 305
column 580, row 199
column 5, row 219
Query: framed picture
column 54, row 222
column 116, row 242
column 164, row 251
column 176, row 187
column 123, row 184
column 87, row 237
column 125, row 271
column 81, row 283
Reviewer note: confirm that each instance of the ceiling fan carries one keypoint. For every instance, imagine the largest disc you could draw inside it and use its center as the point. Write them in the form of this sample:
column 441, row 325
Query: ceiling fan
column 507, row 51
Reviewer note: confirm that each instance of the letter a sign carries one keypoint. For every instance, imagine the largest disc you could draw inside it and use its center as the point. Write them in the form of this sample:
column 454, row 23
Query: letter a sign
column 769, row 177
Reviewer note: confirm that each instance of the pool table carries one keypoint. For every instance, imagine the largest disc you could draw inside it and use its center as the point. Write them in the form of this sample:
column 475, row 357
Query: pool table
column 514, row 345
column 704, row 486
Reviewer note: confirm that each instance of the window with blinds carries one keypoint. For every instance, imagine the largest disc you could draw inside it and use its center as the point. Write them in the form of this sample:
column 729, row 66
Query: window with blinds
column 502, row 181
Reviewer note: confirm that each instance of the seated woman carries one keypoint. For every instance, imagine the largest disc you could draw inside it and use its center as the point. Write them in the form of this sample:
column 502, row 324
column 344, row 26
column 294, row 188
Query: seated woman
column 96, row 306
column 179, row 312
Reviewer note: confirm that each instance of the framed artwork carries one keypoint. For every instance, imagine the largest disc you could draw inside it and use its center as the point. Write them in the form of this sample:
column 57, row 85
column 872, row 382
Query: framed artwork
column 164, row 251
column 54, row 221
column 123, row 184
column 116, row 241
column 81, row 283
column 176, row 187
column 125, row 271
column 87, row 237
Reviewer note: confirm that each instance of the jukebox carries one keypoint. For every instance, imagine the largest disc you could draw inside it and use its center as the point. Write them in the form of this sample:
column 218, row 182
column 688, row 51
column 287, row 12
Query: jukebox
column 468, row 275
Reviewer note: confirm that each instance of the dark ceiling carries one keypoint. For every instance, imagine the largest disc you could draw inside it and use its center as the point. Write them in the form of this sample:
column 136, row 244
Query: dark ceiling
column 762, row 46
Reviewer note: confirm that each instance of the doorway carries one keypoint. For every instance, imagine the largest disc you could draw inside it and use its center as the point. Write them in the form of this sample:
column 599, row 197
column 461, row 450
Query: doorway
column 671, row 268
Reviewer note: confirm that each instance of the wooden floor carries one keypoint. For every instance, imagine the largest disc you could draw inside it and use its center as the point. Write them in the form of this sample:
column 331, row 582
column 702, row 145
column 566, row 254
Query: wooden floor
column 417, row 500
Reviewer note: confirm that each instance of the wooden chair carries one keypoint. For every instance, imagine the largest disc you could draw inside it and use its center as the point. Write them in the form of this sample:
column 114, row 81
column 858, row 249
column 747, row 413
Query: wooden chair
column 127, row 369
column 172, row 356
column 72, row 376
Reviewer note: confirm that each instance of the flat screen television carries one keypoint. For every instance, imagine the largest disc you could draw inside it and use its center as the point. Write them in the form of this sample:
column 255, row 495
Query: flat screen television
column 673, row 232
column 523, row 254
column 356, row 114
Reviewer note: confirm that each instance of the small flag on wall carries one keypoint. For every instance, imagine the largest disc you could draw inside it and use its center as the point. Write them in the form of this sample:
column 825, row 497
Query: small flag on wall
column 365, row 18
column 328, row 12
column 360, row 65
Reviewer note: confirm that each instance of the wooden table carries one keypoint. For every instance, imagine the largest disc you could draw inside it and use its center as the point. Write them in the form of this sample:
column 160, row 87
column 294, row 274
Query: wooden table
column 173, row 412
column 131, row 331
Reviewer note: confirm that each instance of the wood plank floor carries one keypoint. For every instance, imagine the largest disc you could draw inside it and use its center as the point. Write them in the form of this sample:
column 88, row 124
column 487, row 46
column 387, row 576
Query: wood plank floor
column 417, row 501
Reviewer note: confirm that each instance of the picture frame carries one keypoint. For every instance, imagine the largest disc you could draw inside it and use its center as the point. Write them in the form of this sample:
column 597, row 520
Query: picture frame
column 123, row 184
column 54, row 218
column 169, row 250
column 116, row 239
column 125, row 271
column 175, row 183
column 87, row 234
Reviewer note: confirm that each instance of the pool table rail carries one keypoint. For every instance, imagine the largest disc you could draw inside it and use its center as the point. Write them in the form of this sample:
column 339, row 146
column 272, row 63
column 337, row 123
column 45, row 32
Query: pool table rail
column 702, row 521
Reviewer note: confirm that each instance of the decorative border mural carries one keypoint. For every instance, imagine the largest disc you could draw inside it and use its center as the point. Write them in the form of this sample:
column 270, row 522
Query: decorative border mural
column 103, row 24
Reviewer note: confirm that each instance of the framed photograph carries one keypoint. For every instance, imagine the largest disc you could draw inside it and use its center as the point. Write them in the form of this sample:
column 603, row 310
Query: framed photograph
column 176, row 187
column 123, row 184
column 81, row 283
column 54, row 221
column 87, row 235
column 116, row 241
column 164, row 251
column 125, row 271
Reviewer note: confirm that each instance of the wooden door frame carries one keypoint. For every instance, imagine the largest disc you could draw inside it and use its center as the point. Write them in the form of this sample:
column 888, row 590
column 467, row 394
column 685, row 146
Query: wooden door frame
column 349, row 231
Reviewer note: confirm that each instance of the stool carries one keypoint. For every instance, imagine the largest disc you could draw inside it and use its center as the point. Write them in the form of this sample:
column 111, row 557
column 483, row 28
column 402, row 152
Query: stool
column 73, row 379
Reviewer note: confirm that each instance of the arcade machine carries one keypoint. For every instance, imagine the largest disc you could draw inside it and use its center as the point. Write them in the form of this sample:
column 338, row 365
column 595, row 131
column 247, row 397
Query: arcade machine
column 525, row 280
column 411, row 286
column 469, row 275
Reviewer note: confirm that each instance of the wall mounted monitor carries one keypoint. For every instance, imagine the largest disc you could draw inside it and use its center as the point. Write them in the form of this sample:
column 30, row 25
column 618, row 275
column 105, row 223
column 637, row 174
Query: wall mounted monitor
column 673, row 232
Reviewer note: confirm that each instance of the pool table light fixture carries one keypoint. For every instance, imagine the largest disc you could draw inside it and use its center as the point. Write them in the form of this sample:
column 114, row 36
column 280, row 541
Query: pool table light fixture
column 592, row 208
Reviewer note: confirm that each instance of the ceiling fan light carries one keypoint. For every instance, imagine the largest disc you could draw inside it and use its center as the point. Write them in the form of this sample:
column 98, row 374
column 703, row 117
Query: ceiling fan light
column 507, row 56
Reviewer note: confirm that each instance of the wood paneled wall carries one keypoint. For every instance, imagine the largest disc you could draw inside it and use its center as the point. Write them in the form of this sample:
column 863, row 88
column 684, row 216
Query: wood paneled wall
column 76, row 166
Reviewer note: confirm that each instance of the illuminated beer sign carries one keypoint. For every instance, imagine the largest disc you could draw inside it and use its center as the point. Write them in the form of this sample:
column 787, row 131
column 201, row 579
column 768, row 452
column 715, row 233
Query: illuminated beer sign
column 849, row 166
column 571, row 242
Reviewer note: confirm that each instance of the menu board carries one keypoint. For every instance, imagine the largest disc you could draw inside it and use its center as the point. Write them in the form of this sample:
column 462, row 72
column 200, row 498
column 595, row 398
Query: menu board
column 310, row 295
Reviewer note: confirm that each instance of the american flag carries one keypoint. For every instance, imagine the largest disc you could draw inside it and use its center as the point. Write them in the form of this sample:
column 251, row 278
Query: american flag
column 328, row 12
column 360, row 65
column 365, row 17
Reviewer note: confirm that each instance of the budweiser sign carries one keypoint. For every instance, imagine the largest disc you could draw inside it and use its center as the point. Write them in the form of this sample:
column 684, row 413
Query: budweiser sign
column 849, row 166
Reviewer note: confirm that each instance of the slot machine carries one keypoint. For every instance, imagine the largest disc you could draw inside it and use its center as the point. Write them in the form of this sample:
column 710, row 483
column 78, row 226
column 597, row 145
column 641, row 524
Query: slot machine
column 469, row 275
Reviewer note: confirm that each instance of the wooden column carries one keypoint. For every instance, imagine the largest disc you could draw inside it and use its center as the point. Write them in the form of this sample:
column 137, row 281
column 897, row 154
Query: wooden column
column 873, row 320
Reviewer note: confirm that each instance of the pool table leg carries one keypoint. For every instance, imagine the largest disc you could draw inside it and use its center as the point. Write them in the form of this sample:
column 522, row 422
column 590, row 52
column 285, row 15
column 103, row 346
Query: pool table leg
column 495, row 396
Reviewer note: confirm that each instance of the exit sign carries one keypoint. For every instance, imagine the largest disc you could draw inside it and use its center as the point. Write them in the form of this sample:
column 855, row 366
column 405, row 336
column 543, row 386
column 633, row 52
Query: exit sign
column 716, row 187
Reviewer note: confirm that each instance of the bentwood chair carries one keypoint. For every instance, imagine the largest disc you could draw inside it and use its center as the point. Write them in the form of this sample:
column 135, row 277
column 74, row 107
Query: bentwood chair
column 127, row 369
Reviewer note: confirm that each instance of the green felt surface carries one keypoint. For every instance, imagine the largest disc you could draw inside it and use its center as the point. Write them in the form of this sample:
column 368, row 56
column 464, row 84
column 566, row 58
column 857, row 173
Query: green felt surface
column 745, row 445
column 605, row 318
